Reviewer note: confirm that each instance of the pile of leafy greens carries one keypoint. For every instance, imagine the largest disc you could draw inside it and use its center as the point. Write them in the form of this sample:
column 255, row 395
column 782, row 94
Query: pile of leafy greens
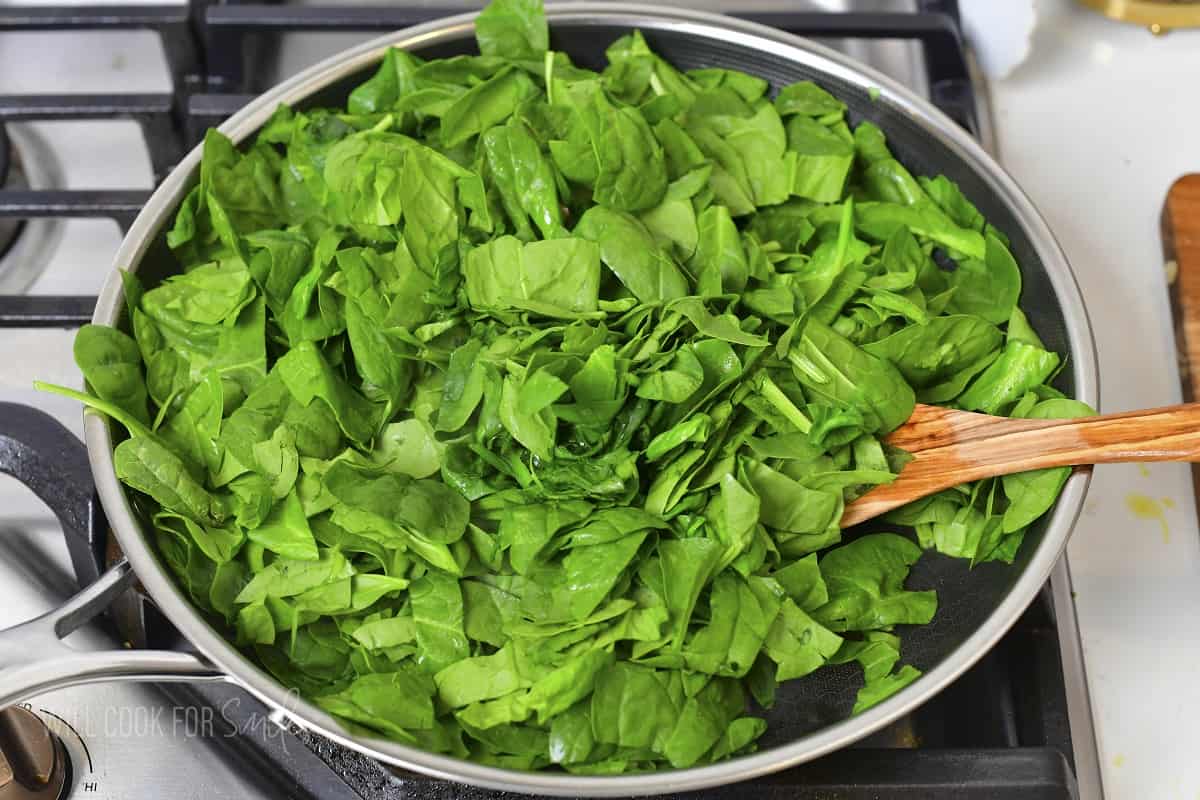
column 510, row 411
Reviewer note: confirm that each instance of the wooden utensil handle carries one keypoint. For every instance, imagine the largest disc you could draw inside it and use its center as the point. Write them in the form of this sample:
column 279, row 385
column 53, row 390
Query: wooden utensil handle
column 931, row 427
column 1171, row 433
column 1162, row 434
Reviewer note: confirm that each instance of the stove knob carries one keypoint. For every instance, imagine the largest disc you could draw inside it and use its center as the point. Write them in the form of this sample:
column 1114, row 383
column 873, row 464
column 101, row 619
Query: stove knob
column 33, row 762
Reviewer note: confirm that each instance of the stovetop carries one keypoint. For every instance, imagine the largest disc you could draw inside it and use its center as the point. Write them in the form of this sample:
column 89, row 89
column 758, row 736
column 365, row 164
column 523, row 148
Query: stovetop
column 118, row 93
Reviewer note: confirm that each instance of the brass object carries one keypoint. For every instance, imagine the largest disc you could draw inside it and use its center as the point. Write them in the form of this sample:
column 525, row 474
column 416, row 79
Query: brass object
column 33, row 762
column 1159, row 16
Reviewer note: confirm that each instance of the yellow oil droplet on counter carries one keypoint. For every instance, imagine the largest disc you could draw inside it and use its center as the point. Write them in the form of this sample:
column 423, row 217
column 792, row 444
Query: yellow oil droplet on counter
column 1118, row 761
column 1142, row 468
column 1144, row 507
column 1168, row 503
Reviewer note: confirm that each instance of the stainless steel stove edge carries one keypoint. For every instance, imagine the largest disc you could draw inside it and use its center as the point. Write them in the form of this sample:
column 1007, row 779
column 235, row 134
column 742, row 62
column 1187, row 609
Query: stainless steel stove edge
column 1079, row 702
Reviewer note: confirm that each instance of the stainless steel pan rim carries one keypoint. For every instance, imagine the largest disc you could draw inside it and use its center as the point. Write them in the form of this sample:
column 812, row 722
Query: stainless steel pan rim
column 161, row 207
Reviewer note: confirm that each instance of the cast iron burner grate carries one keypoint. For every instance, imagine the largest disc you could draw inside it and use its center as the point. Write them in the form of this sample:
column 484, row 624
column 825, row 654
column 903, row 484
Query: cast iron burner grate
column 1000, row 731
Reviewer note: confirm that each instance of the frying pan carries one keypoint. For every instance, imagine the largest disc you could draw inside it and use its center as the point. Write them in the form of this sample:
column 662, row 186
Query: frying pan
column 811, row 716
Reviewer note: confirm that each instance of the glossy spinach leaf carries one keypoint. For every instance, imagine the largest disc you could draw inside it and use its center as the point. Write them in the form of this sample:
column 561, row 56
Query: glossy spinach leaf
column 865, row 580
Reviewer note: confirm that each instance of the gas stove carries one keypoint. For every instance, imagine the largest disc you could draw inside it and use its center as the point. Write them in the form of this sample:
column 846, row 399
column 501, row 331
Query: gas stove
column 117, row 95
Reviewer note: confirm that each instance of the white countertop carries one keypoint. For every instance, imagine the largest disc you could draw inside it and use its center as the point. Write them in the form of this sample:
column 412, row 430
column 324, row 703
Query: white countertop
column 1096, row 124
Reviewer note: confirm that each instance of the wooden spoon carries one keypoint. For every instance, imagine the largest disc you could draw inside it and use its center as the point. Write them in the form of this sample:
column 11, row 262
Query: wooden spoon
column 951, row 447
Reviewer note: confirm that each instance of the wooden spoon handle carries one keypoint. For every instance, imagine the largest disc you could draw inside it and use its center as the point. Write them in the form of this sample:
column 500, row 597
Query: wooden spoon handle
column 1161, row 434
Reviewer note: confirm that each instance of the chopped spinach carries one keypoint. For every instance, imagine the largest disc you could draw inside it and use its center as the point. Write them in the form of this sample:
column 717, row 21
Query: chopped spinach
column 511, row 410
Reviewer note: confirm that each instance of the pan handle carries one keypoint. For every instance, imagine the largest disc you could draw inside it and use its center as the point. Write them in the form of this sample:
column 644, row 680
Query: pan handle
column 34, row 659
column 38, row 451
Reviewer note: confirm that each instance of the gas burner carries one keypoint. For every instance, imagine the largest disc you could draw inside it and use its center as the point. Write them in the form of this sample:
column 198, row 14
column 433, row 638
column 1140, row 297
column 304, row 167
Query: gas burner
column 26, row 246
column 10, row 229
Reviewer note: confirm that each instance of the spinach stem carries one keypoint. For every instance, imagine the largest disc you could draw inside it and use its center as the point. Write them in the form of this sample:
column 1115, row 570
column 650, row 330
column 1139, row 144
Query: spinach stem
column 782, row 403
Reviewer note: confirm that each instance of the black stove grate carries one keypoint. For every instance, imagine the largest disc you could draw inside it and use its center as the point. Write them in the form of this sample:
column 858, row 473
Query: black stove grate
column 1000, row 731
